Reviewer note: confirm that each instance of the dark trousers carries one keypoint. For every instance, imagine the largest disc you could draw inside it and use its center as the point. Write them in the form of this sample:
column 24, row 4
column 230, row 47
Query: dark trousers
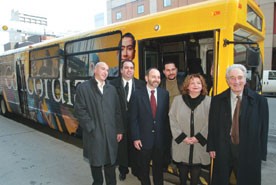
column 109, row 174
column 184, row 169
column 145, row 156
column 123, row 169
column 234, row 159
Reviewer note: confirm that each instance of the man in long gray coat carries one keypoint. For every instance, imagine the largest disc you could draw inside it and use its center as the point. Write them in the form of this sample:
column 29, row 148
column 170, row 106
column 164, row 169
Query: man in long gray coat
column 98, row 111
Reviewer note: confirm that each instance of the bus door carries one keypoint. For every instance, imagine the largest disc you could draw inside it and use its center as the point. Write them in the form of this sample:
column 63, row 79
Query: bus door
column 21, row 86
column 149, row 56
column 191, row 53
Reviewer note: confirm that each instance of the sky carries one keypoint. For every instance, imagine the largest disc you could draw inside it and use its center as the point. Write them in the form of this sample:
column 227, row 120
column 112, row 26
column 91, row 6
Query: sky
column 62, row 16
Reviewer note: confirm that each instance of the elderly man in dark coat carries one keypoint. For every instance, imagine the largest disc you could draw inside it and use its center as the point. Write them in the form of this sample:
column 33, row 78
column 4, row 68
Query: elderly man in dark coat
column 238, row 129
column 97, row 108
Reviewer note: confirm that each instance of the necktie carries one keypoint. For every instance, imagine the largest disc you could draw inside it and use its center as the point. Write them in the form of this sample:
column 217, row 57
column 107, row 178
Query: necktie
column 126, row 89
column 235, row 123
column 153, row 103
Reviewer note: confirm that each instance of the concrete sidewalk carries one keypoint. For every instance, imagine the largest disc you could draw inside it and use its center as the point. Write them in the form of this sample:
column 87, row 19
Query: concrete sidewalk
column 30, row 157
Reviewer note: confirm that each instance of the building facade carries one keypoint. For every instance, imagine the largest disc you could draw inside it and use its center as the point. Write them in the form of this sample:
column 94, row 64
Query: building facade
column 120, row 10
column 269, row 9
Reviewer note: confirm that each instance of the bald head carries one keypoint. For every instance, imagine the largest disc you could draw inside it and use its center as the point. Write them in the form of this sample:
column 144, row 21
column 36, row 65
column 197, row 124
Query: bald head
column 152, row 78
column 101, row 71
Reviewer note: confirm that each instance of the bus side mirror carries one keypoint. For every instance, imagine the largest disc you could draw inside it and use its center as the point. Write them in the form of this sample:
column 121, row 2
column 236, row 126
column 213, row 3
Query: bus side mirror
column 253, row 56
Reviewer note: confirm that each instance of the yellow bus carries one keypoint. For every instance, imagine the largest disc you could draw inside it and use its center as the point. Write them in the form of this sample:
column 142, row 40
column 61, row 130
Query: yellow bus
column 39, row 81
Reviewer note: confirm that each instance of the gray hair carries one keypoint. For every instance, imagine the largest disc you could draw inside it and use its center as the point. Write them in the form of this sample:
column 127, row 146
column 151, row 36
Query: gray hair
column 236, row 66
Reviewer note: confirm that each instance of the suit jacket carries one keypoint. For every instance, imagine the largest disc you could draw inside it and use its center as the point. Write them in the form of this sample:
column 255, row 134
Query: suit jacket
column 152, row 132
column 253, row 123
column 99, row 116
column 118, row 83
column 123, row 150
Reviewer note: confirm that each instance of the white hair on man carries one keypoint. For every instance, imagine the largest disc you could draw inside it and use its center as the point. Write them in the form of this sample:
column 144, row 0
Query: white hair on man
column 235, row 66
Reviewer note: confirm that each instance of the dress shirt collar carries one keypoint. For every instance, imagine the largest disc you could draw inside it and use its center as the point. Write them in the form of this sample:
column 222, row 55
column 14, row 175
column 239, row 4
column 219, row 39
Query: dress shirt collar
column 149, row 92
column 129, row 87
column 100, row 85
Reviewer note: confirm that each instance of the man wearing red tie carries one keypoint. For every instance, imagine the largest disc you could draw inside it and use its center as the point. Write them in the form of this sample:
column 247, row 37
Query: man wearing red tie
column 149, row 126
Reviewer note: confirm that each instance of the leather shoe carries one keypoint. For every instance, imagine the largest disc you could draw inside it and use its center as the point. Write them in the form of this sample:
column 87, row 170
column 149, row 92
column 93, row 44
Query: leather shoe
column 122, row 176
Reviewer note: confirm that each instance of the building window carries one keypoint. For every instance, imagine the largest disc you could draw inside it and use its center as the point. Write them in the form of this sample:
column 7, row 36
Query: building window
column 140, row 9
column 167, row 3
column 119, row 15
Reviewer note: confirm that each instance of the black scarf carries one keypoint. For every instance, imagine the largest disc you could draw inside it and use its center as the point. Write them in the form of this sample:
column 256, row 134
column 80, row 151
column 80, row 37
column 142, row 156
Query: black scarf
column 192, row 103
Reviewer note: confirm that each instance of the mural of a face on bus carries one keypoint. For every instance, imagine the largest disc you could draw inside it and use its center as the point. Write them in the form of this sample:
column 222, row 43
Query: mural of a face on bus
column 128, row 47
column 127, row 52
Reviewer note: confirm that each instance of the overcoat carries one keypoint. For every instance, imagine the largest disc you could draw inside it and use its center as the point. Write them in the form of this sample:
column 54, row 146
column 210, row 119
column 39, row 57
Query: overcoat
column 125, row 144
column 183, row 122
column 99, row 116
column 253, row 127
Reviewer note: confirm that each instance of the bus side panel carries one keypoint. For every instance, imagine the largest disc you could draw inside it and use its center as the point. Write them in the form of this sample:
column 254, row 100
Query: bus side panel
column 50, row 102
column 9, row 84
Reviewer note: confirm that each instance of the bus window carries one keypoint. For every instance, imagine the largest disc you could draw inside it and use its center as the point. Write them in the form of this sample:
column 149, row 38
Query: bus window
column 209, row 62
column 253, row 74
column 45, row 62
column 82, row 55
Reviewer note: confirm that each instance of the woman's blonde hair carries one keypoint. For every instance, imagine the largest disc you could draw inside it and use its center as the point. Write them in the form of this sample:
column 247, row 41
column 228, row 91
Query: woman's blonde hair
column 187, row 81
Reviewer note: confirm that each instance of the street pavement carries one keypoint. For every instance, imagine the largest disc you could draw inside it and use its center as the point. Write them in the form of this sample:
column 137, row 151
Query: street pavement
column 269, row 166
column 31, row 157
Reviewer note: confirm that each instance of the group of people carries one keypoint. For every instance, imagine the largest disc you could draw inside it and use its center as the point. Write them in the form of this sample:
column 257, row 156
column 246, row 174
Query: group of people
column 129, row 123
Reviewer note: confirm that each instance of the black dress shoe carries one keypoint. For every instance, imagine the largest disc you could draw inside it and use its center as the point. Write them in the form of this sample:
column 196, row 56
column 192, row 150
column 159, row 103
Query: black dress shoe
column 122, row 176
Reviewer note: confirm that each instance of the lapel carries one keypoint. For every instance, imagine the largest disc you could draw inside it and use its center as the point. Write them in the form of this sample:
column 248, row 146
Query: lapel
column 94, row 85
column 228, row 115
column 122, row 88
column 159, row 100
column 246, row 107
column 105, row 89
column 133, row 86
column 146, row 100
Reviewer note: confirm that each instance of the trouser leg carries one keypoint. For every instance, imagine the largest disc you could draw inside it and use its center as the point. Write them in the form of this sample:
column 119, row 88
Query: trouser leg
column 110, row 175
column 123, row 169
column 144, row 158
column 235, row 158
column 157, row 166
column 183, row 173
column 195, row 174
column 97, row 175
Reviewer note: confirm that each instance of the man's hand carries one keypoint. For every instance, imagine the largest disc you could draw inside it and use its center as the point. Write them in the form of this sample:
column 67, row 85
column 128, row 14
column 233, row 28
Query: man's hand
column 119, row 137
column 212, row 154
column 137, row 144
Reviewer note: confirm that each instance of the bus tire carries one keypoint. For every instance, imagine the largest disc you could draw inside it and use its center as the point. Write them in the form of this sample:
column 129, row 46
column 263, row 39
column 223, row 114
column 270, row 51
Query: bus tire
column 3, row 107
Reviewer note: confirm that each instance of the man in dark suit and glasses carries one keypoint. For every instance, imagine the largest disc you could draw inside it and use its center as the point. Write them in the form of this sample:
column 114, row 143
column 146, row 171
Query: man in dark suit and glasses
column 149, row 125
column 238, row 129
column 125, row 86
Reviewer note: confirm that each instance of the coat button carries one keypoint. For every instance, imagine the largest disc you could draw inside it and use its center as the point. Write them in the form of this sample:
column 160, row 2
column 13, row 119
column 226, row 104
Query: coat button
column 152, row 131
